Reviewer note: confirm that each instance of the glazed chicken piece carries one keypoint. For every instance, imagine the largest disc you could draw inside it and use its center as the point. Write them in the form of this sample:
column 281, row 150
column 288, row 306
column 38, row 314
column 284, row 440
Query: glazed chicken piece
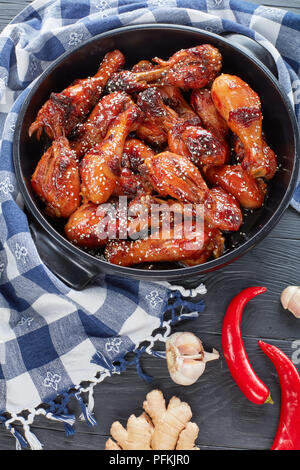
column 134, row 154
column 173, row 98
column 56, row 179
column 131, row 82
column 94, row 129
column 183, row 243
column 194, row 142
column 152, row 133
column 131, row 184
column 88, row 226
column 203, row 105
column 240, row 106
column 192, row 68
column 176, row 176
column 201, row 146
column 132, row 180
column 222, row 210
column 270, row 156
column 214, row 248
column 101, row 167
column 186, row 69
column 143, row 66
column 158, row 120
column 64, row 110
column 91, row 226
column 250, row 192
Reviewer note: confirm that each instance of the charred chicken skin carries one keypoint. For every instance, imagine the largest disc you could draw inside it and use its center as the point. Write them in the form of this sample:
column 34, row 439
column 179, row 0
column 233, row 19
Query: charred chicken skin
column 101, row 167
column 240, row 106
column 56, row 179
column 163, row 137
column 194, row 142
column 186, row 69
column 192, row 68
column 64, row 110
column 134, row 154
column 91, row 132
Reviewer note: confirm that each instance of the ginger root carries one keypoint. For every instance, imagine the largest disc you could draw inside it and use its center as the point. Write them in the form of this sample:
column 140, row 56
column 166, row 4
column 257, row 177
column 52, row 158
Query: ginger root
column 160, row 427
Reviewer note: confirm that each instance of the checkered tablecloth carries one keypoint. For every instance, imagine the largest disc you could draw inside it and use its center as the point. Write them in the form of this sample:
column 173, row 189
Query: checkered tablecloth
column 52, row 337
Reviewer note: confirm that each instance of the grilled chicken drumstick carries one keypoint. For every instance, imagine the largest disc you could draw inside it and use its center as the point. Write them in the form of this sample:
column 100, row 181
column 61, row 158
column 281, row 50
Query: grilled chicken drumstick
column 240, row 106
column 101, row 166
column 64, row 110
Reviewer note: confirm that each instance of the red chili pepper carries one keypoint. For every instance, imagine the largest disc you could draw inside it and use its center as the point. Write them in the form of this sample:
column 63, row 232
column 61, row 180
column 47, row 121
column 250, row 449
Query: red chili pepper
column 288, row 431
column 233, row 348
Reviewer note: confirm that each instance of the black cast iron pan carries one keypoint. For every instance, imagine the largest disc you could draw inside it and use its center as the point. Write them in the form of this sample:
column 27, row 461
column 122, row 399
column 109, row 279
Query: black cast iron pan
column 241, row 56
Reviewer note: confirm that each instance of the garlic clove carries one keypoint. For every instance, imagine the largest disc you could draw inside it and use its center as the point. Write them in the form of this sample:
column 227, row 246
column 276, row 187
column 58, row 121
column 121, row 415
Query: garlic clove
column 186, row 358
column 290, row 300
column 187, row 343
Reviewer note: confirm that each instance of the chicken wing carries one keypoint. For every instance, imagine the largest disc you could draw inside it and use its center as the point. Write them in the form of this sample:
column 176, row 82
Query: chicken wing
column 88, row 226
column 134, row 154
column 203, row 105
column 100, row 168
column 184, row 243
column 240, row 106
column 173, row 98
column 198, row 144
column 92, row 225
column 64, row 110
column 176, row 176
column 56, row 179
column 192, row 68
column 93, row 130
column 194, row 142
column 131, row 184
column 250, row 192
column 270, row 157
column 131, row 82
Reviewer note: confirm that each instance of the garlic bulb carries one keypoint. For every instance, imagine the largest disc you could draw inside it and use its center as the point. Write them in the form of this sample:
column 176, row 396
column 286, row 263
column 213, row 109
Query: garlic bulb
column 186, row 357
column 290, row 299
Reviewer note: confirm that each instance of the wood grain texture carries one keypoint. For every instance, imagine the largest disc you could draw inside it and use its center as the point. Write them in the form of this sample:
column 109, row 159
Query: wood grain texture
column 225, row 418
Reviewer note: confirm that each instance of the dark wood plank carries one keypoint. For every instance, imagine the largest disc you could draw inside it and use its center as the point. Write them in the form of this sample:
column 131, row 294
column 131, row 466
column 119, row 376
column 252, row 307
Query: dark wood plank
column 292, row 5
column 9, row 9
column 288, row 226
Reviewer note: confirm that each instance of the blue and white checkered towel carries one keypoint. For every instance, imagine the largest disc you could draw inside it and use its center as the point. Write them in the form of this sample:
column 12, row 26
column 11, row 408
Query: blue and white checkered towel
column 53, row 338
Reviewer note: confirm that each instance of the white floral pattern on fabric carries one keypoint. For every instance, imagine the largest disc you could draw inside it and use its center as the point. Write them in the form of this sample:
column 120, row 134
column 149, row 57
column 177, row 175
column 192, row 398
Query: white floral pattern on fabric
column 75, row 38
column 113, row 345
column 153, row 298
column 6, row 186
column 52, row 380
column 25, row 321
column 21, row 252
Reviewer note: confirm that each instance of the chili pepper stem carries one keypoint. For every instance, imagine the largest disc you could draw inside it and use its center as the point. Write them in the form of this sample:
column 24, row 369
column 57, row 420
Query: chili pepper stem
column 269, row 400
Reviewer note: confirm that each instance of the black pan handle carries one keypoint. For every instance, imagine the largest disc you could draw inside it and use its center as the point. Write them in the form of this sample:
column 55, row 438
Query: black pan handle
column 61, row 262
column 254, row 49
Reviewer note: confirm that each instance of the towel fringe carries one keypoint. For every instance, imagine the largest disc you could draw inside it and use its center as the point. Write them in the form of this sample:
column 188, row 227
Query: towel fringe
column 86, row 413
column 180, row 309
column 31, row 439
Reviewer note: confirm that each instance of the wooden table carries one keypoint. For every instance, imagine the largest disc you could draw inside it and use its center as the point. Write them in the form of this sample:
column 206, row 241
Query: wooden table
column 225, row 418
